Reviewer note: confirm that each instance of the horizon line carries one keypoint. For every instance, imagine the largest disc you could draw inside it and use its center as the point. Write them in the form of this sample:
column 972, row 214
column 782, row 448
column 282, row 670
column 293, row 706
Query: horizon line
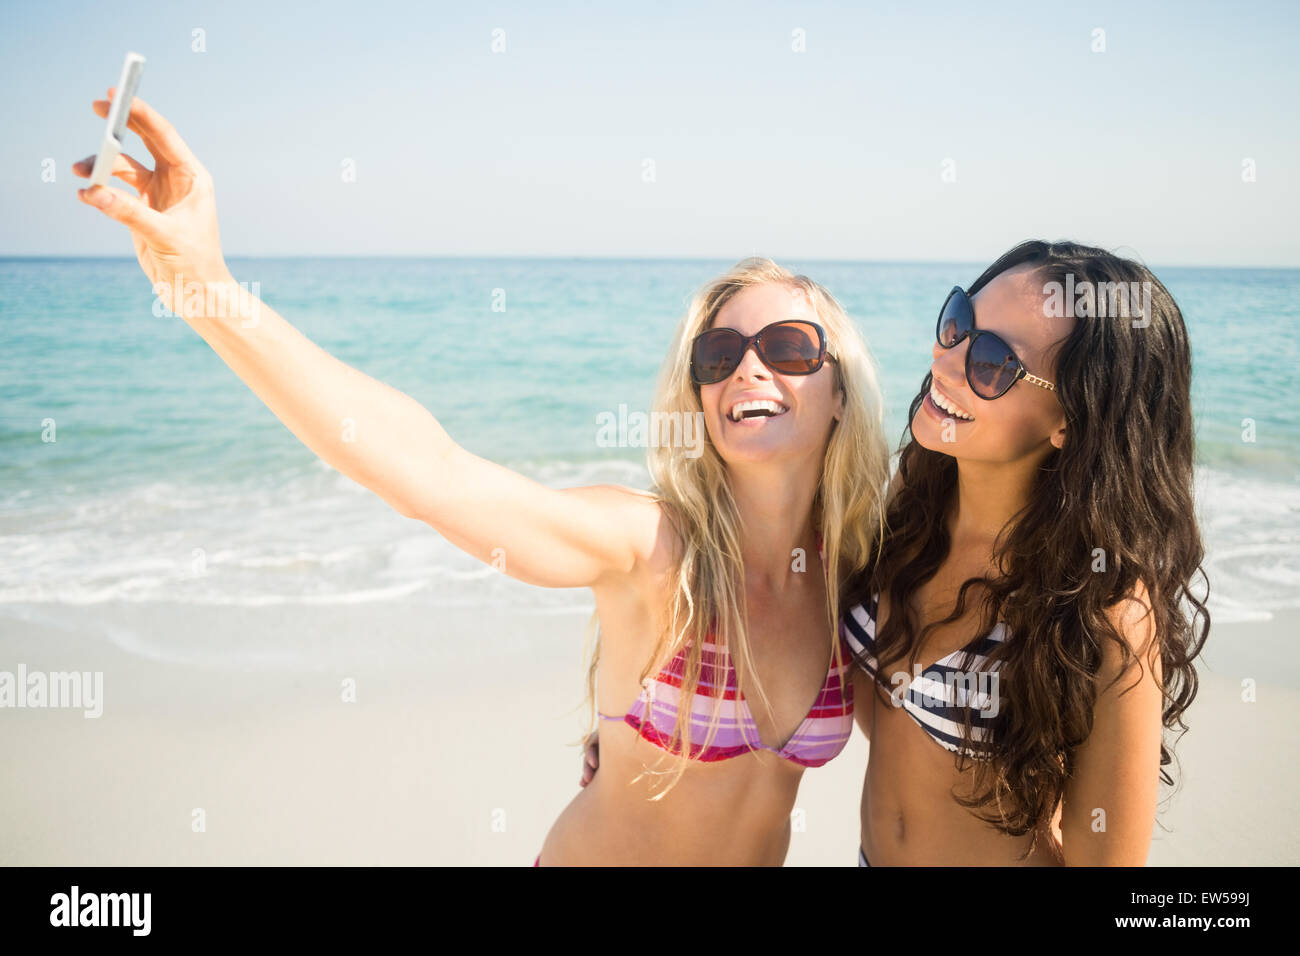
column 4, row 256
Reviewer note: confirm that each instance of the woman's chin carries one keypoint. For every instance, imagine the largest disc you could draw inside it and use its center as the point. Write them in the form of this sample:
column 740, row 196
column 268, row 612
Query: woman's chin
column 759, row 453
column 927, row 434
column 741, row 457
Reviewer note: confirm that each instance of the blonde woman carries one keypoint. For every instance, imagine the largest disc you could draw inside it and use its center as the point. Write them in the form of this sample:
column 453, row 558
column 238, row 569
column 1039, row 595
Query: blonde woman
column 711, row 591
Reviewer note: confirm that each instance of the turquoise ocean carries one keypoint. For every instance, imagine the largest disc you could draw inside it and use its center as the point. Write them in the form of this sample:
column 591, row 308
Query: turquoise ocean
column 167, row 480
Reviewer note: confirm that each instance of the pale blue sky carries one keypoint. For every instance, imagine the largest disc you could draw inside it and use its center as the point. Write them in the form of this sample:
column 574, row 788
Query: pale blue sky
column 836, row 152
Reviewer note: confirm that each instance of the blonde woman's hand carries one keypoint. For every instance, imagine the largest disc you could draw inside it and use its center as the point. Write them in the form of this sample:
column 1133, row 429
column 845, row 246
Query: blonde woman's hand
column 591, row 758
column 173, row 221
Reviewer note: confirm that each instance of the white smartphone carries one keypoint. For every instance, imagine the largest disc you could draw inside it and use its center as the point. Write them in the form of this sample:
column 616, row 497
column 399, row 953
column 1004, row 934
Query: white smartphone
column 118, row 112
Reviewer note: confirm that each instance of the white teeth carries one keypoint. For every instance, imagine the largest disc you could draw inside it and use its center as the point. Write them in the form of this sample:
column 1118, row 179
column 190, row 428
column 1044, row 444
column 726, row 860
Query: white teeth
column 741, row 407
column 947, row 406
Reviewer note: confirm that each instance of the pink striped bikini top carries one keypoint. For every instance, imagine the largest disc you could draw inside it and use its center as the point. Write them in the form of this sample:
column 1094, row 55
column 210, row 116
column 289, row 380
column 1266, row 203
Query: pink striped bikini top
column 824, row 733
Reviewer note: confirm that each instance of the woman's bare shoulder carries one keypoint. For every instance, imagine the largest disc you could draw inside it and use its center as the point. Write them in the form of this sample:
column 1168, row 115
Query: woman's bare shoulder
column 647, row 518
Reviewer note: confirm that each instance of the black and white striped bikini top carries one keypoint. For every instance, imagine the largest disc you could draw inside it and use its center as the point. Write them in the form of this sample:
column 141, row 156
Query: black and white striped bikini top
column 936, row 697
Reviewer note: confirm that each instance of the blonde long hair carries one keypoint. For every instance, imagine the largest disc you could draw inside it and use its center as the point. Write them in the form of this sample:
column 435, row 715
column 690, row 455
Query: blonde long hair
column 696, row 497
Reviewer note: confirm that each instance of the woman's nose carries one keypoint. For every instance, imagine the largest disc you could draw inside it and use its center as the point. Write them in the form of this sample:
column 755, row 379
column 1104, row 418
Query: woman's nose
column 951, row 361
column 751, row 366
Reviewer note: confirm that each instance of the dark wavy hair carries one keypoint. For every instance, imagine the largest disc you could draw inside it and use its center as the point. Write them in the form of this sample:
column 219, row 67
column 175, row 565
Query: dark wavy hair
column 1122, row 483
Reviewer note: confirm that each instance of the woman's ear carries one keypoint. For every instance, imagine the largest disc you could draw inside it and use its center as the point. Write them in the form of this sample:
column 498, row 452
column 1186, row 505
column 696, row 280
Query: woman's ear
column 1058, row 437
column 841, row 395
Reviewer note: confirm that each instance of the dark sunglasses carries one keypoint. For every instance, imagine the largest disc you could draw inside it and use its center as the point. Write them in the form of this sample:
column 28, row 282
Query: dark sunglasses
column 790, row 347
column 991, row 365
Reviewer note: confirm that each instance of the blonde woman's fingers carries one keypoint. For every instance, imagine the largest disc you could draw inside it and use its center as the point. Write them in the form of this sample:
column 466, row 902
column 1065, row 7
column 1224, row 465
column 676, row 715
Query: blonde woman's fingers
column 126, row 209
column 125, row 168
column 151, row 126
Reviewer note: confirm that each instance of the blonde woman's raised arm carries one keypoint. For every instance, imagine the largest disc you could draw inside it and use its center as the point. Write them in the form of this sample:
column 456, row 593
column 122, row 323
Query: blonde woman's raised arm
column 377, row 436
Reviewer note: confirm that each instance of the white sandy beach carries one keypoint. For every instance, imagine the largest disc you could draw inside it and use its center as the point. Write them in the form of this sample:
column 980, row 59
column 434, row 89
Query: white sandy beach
column 457, row 749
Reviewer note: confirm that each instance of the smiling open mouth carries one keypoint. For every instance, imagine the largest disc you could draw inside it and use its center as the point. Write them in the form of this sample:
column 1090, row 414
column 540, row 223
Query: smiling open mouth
column 756, row 409
column 945, row 404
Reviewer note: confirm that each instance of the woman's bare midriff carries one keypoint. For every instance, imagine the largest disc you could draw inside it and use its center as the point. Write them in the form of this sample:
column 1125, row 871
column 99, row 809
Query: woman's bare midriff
column 734, row 812
column 909, row 816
